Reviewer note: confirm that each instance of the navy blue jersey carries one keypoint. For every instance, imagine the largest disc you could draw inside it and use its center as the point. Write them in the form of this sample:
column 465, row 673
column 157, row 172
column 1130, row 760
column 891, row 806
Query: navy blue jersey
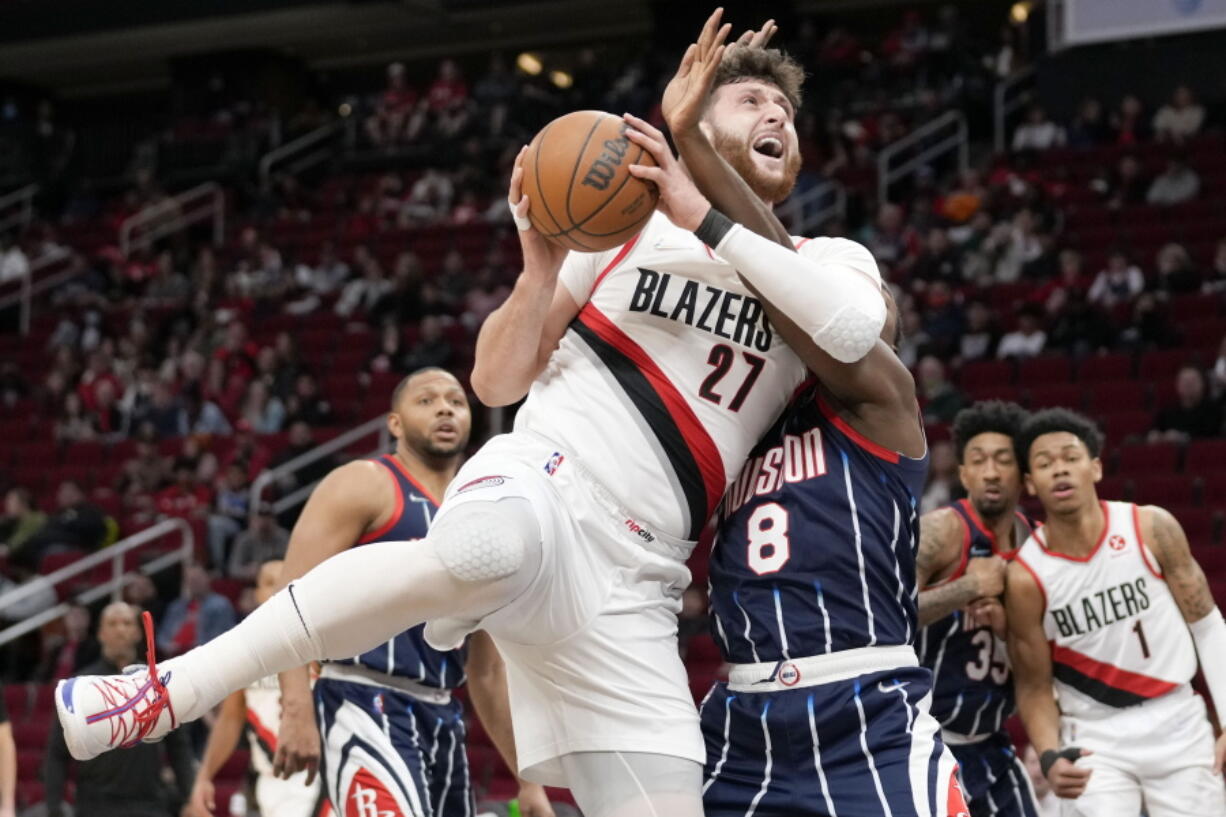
column 408, row 655
column 972, row 686
column 816, row 545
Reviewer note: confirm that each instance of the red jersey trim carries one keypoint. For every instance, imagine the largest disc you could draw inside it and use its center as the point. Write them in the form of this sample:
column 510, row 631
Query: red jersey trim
column 404, row 472
column 397, row 511
column 702, row 448
column 1136, row 526
column 617, row 259
column 262, row 731
column 1111, row 675
column 877, row 450
column 1102, row 537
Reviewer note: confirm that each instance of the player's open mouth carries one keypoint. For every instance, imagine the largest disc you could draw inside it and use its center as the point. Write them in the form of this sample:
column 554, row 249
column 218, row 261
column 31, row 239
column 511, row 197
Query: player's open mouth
column 1062, row 490
column 769, row 146
column 992, row 493
column 446, row 429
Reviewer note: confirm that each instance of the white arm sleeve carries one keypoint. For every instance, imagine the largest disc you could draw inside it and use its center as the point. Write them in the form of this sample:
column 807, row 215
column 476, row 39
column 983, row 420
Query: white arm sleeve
column 1209, row 635
column 835, row 297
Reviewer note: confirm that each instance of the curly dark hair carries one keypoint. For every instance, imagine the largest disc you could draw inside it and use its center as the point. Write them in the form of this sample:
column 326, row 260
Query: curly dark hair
column 998, row 416
column 768, row 64
column 1052, row 420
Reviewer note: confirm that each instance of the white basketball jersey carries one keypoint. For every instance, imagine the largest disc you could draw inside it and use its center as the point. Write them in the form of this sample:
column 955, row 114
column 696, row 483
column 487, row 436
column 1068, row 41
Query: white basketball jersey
column 263, row 722
column 669, row 374
column 1117, row 637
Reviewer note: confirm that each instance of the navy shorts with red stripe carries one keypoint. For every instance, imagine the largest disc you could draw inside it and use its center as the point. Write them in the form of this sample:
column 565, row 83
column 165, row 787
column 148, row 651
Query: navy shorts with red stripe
column 383, row 748
column 864, row 746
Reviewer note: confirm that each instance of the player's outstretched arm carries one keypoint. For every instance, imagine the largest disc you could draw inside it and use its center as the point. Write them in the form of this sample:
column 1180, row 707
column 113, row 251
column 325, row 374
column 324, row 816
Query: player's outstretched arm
column 1030, row 657
column 223, row 739
column 938, row 557
column 518, row 337
column 487, row 689
column 1164, row 535
column 344, row 505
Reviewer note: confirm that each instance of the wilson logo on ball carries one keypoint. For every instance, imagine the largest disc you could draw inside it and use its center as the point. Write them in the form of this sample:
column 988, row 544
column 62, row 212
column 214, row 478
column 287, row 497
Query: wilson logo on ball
column 604, row 169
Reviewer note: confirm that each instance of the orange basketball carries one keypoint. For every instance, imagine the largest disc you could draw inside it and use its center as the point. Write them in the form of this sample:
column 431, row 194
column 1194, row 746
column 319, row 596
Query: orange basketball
column 581, row 194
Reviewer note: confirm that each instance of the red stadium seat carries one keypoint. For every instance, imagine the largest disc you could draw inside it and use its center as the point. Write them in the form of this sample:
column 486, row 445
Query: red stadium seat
column 1046, row 370
column 1163, row 365
column 1200, row 525
column 1143, row 458
column 1120, row 425
column 1165, row 490
column 1115, row 395
column 1067, row 395
column 16, row 700
column 980, row 373
column 1205, row 455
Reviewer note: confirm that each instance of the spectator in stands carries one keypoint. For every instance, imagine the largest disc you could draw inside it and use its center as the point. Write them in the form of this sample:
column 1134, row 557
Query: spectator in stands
column 980, row 336
column 1180, row 119
column 163, row 413
column 229, row 514
column 447, row 100
column 109, row 420
column 1175, row 185
column 432, row 349
column 21, row 520
column 1217, row 376
column 395, row 118
column 306, row 404
column 8, row 764
column 185, row 498
column 891, row 240
column 940, row 399
column 938, row 261
column 201, row 416
column 1015, row 244
column 66, row 653
column 486, row 295
column 429, row 200
column 260, row 411
column 1119, row 283
column 361, row 294
column 1124, row 187
column 1038, row 132
column 127, row 783
column 76, row 525
column 237, row 351
column 196, row 617
column 1176, row 274
column 1077, row 326
column 1028, row 339
column 141, row 593
column 264, row 539
column 75, row 423
column 1128, row 124
column 1089, row 127
column 1150, row 326
column 1194, row 414
column 300, row 442
column 943, row 482
column 388, row 357
column 1215, row 281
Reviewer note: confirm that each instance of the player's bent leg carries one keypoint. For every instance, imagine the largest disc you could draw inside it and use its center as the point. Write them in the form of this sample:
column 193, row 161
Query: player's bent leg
column 634, row 784
column 443, row 747
column 387, row 588
column 1111, row 791
column 994, row 781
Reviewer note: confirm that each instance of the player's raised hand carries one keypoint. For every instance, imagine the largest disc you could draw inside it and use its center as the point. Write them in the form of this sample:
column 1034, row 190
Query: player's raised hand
column 990, row 613
column 679, row 198
column 1067, row 779
column 988, row 573
column 759, row 38
column 533, row 802
column 685, row 96
column 541, row 256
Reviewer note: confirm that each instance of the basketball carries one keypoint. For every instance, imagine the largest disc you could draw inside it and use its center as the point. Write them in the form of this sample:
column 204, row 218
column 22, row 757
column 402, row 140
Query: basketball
column 578, row 183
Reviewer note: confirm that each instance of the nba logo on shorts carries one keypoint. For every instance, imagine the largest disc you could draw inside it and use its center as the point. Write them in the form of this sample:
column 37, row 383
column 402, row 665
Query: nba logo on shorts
column 789, row 675
column 554, row 461
column 378, row 702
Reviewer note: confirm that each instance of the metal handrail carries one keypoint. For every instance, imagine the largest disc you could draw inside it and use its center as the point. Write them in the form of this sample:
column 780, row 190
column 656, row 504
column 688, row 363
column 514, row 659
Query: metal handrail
column 24, row 197
column 957, row 140
column 1005, row 102
column 270, row 475
column 119, row 577
column 29, row 289
column 175, row 214
column 298, row 147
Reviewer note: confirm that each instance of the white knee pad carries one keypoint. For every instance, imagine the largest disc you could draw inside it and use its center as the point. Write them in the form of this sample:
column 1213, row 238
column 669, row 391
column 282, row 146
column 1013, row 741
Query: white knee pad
column 486, row 541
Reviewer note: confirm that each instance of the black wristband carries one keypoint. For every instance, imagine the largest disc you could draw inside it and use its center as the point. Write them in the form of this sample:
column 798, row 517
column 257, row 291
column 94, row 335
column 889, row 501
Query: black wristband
column 1049, row 758
column 715, row 225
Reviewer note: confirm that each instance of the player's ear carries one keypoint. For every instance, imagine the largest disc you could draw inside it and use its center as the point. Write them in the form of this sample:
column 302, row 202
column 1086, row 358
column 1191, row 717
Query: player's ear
column 1030, row 486
column 1096, row 468
column 393, row 424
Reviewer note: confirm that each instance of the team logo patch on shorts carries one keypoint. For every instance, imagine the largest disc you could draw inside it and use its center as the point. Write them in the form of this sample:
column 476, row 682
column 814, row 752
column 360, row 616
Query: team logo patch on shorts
column 551, row 465
column 789, row 675
column 955, row 806
column 368, row 797
column 482, row 482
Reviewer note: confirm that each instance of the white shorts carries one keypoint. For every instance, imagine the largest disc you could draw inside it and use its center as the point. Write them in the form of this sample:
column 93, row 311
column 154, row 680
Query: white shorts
column 287, row 798
column 591, row 644
column 1158, row 754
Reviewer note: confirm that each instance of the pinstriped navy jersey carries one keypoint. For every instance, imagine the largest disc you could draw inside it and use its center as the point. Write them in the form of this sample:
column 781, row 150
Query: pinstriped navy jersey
column 816, row 546
column 972, row 692
column 408, row 655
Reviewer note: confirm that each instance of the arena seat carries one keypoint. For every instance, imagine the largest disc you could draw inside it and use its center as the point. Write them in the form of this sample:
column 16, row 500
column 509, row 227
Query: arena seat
column 1204, row 456
column 1146, row 458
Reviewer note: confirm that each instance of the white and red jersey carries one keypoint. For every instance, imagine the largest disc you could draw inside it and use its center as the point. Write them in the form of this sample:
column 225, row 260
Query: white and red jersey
column 1117, row 637
column 669, row 374
column 263, row 722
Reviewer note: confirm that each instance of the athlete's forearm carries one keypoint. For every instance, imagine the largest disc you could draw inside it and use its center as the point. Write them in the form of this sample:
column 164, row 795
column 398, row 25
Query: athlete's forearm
column 726, row 189
column 227, row 730
column 488, row 693
column 508, row 356
column 296, row 695
column 1037, row 707
column 937, row 603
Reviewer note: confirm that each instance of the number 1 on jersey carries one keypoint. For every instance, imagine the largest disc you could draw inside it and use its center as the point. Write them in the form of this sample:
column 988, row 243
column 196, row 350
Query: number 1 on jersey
column 769, row 546
column 1136, row 628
